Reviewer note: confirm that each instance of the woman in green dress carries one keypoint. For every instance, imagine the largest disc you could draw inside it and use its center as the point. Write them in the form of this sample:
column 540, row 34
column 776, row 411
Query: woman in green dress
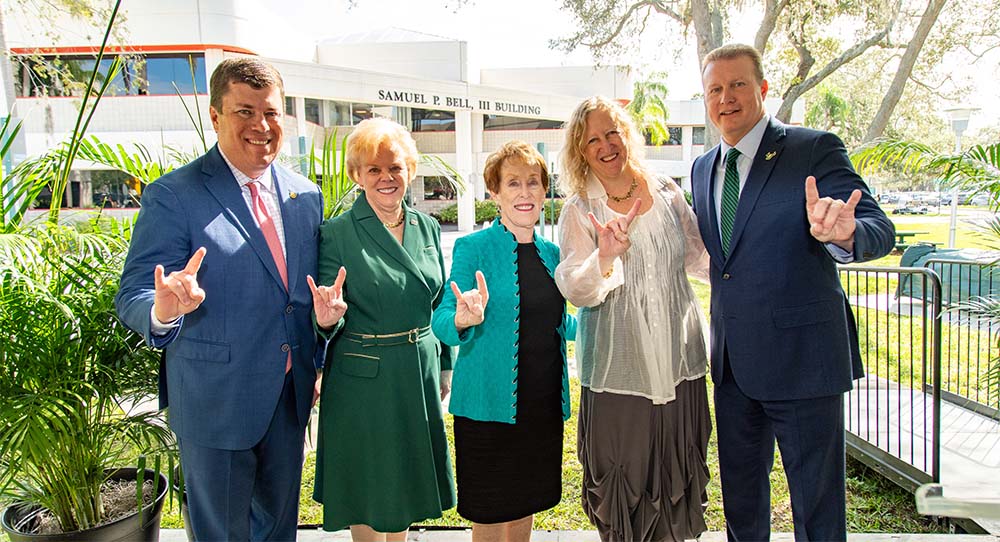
column 382, row 462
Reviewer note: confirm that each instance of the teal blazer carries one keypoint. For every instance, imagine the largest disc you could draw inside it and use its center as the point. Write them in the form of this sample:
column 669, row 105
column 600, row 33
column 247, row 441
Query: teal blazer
column 484, row 384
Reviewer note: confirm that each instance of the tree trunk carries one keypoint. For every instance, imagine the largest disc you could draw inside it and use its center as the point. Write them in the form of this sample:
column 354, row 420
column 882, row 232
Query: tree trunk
column 707, row 18
column 913, row 48
column 6, row 72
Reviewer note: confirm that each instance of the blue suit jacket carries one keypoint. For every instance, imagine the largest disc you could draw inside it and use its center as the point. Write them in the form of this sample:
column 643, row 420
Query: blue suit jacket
column 224, row 365
column 777, row 302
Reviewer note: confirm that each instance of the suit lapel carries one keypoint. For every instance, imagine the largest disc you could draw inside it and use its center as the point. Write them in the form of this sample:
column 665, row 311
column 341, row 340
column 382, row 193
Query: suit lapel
column 767, row 156
column 706, row 201
column 222, row 185
column 370, row 223
column 291, row 220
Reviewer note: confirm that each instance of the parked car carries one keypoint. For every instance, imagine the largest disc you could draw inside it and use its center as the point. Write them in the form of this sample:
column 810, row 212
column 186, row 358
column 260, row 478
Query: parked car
column 911, row 209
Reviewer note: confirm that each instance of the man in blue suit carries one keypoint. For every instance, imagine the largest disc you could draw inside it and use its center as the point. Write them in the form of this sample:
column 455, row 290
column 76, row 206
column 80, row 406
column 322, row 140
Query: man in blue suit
column 778, row 207
column 216, row 276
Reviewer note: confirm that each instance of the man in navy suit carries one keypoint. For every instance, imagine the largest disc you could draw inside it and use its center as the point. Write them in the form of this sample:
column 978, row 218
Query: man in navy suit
column 778, row 207
column 217, row 275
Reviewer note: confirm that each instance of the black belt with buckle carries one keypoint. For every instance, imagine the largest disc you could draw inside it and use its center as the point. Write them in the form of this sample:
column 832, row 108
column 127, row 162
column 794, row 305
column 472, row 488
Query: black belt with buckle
column 410, row 336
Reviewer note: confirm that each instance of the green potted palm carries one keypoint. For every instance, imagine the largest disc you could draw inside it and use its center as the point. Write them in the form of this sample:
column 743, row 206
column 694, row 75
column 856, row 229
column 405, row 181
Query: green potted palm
column 73, row 379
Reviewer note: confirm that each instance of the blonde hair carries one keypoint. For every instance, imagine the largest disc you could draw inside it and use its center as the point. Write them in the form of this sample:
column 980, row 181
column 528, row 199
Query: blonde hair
column 731, row 51
column 370, row 134
column 513, row 150
column 575, row 168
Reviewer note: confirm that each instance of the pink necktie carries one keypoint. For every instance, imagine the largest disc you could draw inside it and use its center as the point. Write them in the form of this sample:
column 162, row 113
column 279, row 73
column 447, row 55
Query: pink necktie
column 273, row 243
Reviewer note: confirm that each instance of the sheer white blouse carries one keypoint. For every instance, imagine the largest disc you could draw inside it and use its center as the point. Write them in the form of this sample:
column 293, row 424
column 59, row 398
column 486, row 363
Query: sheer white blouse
column 641, row 331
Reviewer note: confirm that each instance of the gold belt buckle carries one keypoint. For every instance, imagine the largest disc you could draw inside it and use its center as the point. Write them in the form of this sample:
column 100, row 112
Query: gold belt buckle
column 413, row 335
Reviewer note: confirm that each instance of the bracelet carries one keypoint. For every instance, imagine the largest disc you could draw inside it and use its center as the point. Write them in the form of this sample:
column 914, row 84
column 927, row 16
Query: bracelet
column 611, row 271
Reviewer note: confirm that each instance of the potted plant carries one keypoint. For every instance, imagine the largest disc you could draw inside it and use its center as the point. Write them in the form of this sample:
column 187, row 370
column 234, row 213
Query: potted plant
column 67, row 367
column 72, row 377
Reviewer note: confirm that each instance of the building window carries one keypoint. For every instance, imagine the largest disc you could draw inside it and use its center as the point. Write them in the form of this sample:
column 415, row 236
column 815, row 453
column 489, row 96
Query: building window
column 360, row 112
column 674, row 137
column 311, row 107
column 67, row 75
column 163, row 72
column 290, row 106
column 698, row 135
column 337, row 113
column 438, row 188
column 424, row 120
column 497, row 122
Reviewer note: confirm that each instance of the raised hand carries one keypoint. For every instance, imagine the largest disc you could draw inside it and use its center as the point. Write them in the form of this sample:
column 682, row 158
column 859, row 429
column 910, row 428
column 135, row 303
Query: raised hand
column 831, row 220
column 612, row 237
column 178, row 293
column 328, row 301
column 470, row 307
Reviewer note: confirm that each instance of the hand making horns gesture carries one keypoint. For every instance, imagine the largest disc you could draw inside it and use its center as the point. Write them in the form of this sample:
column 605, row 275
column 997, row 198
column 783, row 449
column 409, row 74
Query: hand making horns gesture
column 470, row 306
column 831, row 220
column 328, row 301
column 178, row 293
column 612, row 237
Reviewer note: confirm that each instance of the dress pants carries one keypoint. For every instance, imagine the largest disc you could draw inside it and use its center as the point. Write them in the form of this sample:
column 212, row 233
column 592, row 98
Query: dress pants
column 810, row 435
column 241, row 495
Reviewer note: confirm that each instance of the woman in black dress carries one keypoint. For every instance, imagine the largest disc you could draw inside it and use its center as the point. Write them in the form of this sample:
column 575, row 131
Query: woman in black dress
column 510, row 391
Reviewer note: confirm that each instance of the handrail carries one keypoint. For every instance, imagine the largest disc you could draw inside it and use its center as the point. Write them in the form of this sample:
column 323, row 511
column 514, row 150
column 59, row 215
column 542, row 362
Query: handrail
column 932, row 279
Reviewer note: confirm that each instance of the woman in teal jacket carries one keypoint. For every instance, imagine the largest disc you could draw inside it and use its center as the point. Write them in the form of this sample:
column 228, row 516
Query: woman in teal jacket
column 510, row 388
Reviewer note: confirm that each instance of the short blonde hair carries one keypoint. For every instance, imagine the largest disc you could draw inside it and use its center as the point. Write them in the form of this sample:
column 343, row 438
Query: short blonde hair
column 513, row 150
column 575, row 168
column 731, row 51
column 370, row 134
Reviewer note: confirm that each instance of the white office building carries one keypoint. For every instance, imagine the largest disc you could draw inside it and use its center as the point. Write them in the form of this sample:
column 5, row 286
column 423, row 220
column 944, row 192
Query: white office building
column 419, row 80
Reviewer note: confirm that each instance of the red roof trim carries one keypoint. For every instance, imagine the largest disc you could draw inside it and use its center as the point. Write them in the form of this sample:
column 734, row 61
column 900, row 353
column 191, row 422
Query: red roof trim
column 178, row 48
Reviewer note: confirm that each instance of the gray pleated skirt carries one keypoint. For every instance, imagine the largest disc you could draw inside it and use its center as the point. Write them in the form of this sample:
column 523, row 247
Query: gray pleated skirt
column 645, row 466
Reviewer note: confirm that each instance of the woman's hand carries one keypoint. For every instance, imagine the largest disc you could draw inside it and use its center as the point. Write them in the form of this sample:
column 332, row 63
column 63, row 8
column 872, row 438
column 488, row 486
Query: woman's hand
column 470, row 307
column 328, row 301
column 612, row 238
column 445, row 383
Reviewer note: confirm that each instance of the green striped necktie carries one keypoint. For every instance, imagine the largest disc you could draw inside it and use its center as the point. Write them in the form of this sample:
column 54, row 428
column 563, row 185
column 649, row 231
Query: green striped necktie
column 730, row 197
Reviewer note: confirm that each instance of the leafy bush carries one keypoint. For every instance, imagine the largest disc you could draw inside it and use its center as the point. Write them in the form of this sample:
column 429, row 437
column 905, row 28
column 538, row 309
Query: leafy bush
column 487, row 209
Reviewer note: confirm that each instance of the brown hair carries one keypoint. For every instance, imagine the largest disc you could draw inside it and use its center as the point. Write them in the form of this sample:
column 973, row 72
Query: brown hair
column 736, row 50
column 369, row 135
column 513, row 150
column 248, row 70
column 575, row 168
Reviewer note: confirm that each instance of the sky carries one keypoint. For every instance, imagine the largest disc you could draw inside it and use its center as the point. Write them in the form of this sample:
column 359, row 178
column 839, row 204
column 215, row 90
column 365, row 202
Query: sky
column 515, row 33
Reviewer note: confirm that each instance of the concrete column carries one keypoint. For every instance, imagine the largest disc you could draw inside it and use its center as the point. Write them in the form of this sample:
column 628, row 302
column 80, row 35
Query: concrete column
column 687, row 141
column 476, row 179
column 464, row 164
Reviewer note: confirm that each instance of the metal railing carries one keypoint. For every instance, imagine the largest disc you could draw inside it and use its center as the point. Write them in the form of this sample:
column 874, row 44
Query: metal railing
column 968, row 343
column 892, row 424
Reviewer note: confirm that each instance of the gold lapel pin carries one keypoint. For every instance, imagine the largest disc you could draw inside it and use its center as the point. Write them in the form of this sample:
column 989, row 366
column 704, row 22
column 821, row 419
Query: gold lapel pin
column 769, row 155
column 294, row 195
column 413, row 221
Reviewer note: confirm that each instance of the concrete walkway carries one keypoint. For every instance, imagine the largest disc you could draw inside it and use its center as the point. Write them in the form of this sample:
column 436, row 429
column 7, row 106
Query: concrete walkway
column 177, row 535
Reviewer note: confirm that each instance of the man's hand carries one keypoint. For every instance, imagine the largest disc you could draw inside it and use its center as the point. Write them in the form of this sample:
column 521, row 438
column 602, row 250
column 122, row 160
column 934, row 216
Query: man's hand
column 831, row 220
column 470, row 307
column 612, row 237
column 178, row 293
column 328, row 301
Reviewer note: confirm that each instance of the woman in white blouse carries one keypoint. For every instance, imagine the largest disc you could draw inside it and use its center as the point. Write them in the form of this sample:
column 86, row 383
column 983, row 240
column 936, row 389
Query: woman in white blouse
column 628, row 240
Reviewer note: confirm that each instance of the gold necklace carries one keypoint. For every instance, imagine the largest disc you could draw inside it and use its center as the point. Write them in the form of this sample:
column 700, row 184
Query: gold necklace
column 396, row 224
column 627, row 195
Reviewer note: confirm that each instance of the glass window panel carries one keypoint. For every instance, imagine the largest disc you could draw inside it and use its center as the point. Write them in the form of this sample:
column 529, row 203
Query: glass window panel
column 497, row 122
column 163, row 72
column 425, row 120
column 312, row 110
column 698, row 135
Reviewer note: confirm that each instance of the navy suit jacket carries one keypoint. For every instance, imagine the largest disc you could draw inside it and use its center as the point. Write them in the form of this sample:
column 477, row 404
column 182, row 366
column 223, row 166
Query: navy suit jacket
column 777, row 304
column 224, row 365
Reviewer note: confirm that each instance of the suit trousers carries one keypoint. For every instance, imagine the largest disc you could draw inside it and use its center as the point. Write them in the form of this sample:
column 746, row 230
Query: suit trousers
column 240, row 495
column 810, row 435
